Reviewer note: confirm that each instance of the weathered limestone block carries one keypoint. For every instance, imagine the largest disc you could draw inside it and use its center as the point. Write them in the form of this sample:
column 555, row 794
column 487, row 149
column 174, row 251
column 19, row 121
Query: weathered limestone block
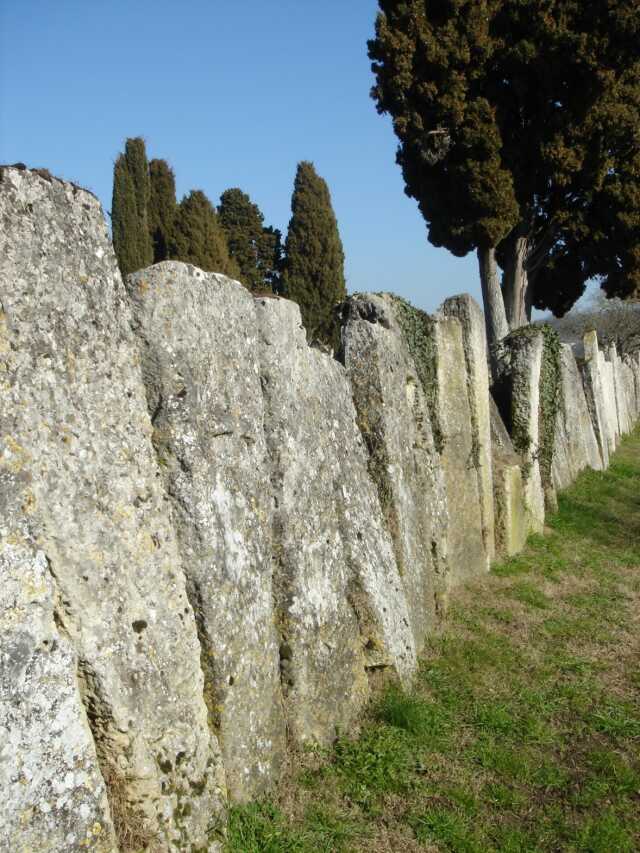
column 607, row 372
column 511, row 519
column 468, row 312
column 74, row 424
column 621, row 390
column 394, row 419
column 632, row 362
column 341, row 607
column 53, row 795
column 198, row 340
column 520, row 359
column 576, row 447
column 424, row 441
column 594, row 393
column 459, row 453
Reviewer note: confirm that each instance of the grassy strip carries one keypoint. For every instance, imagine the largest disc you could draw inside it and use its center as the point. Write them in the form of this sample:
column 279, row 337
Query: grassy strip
column 522, row 734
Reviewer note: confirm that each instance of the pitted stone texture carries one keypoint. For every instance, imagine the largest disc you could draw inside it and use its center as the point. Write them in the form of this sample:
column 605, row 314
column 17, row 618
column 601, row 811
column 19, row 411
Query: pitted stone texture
column 341, row 607
column 621, row 391
column 198, row 340
column 53, row 793
column 73, row 421
column 594, row 393
column 576, row 447
column 393, row 416
column 459, row 455
column 607, row 372
column 517, row 393
column 471, row 318
column 511, row 520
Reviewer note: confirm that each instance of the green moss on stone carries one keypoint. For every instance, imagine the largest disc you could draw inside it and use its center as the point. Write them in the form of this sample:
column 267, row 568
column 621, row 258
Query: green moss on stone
column 418, row 331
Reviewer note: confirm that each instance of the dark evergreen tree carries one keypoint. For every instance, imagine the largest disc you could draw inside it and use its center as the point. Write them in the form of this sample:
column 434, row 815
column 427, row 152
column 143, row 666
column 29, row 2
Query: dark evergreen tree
column 124, row 218
column 129, row 208
column 517, row 120
column 255, row 249
column 313, row 274
column 273, row 250
column 162, row 207
column 198, row 237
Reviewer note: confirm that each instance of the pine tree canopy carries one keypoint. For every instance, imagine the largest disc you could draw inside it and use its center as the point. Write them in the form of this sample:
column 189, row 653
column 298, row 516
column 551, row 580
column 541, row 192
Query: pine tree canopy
column 198, row 237
column 313, row 272
column 255, row 249
column 162, row 207
column 131, row 189
column 518, row 129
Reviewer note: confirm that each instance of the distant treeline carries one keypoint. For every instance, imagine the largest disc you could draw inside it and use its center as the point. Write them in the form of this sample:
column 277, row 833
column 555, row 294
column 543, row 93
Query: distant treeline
column 149, row 226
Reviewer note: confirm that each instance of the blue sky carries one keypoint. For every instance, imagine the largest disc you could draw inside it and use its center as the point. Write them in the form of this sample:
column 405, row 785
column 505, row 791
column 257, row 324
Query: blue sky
column 231, row 95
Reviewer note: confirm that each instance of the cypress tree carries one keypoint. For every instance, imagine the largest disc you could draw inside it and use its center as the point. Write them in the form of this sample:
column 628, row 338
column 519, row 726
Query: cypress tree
column 313, row 274
column 255, row 249
column 517, row 122
column 162, row 207
column 138, row 166
column 198, row 238
column 124, row 218
column 129, row 208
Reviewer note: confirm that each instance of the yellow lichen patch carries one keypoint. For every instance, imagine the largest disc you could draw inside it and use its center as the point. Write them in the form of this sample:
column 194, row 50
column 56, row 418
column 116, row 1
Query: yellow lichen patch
column 4, row 333
column 29, row 503
column 15, row 456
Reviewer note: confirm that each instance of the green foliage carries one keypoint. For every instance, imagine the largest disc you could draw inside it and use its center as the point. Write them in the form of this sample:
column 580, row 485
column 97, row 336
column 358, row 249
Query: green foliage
column 162, row 208
column 313, row 274
column 518, row 119
column 131, row 190
column 256, row 250
column 198, row 238
column 124, row 218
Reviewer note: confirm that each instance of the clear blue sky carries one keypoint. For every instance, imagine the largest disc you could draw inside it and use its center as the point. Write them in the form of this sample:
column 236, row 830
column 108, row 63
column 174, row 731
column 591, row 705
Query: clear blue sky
column 231, row 94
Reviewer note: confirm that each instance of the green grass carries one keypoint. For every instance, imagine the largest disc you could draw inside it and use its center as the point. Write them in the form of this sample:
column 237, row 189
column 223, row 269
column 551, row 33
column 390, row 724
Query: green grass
column 522, row 732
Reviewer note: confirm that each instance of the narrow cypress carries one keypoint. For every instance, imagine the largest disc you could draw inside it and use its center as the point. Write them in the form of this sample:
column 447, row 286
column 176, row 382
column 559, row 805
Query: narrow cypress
column 162, row 207
column 129, row 208
column 313, row 274
column 124, row 218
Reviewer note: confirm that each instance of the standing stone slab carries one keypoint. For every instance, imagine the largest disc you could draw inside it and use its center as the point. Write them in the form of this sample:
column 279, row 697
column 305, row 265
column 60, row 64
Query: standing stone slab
column 511, row 518
column 576, row 447
column 73, row 422
column 198, row 339
column 459, row 454
column 594, row 393
column 394, row 419
column 341, row 607
column 471, row 318
column 517, row 393
column 607, row 372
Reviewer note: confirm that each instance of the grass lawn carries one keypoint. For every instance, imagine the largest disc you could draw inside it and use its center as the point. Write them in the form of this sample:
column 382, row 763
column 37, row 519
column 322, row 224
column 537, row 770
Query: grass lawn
column 523, row 730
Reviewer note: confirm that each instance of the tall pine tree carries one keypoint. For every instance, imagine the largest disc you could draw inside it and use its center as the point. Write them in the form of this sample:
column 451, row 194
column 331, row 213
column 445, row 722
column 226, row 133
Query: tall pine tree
column 313, row 274
column 198, row 237
column 162, row 208
column 129, row 208
column 255, row 249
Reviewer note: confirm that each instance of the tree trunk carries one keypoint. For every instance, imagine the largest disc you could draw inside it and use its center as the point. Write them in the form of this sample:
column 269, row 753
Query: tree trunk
column 494, row 312
column 517, row 287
